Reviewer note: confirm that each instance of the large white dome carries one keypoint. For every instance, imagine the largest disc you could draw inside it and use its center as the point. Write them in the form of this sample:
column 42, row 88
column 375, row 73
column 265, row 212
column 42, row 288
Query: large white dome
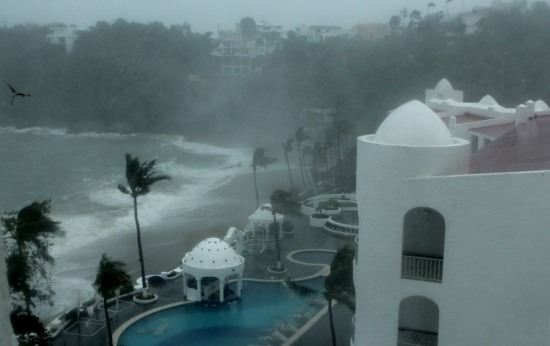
column 212, row 253
column 413, row 124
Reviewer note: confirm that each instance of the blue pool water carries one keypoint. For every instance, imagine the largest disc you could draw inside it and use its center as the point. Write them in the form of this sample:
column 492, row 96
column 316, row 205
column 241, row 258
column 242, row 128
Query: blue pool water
column 261, row 307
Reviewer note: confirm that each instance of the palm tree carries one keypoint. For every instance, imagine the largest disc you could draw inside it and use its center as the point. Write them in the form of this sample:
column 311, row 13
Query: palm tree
column 447, row 8
column 259, row 159
column 301, row 136
column 342, row 127
column 140, row 177
column 281, row 204
column 110, row 277
column 338, row 285
column 318, row 160
column 404, row 14
column 30, row 229
column 287, row 147
column 431, row 4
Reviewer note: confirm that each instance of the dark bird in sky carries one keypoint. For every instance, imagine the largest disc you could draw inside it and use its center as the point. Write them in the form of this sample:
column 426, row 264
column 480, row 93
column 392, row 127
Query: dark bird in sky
column 15, row 93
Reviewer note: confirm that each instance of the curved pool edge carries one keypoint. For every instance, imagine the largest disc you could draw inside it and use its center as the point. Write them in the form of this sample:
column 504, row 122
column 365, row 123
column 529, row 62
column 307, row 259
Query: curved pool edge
column 118, row 332
column 324, row 271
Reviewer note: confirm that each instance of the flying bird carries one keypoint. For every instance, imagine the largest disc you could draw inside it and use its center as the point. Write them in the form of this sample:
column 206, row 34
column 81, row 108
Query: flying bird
column 15, row 93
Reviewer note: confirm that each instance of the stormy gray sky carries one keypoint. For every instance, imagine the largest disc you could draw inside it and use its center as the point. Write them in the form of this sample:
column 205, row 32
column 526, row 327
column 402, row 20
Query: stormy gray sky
column 206, row 15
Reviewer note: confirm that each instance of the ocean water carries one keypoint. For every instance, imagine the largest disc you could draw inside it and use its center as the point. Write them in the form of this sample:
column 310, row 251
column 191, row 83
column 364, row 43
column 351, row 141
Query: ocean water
column 79, row 174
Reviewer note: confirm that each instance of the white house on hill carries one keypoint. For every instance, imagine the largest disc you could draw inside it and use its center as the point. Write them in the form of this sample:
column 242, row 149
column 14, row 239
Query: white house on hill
column 64, row 36
column 453, row 247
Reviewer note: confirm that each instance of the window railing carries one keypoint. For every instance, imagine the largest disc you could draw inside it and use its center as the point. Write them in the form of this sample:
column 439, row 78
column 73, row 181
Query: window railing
column 416, row 338
column 422, row 268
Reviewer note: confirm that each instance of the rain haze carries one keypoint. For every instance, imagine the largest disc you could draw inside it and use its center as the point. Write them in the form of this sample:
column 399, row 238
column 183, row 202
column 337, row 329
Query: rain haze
column 268, row 159
column 207, row 15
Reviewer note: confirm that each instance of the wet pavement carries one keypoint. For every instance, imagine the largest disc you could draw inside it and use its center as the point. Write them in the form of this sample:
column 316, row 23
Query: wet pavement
column 303, row 237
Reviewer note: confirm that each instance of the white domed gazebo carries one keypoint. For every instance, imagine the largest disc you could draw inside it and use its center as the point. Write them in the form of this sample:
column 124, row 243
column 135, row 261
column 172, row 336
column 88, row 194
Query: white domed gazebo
column 208, row 268
column 258, row 222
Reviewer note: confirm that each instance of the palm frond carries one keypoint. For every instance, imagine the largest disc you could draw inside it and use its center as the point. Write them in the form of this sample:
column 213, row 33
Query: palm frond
column 282, row 203
column 260, row 159
column 140, row 176
column 301, row 290
column 110, row 275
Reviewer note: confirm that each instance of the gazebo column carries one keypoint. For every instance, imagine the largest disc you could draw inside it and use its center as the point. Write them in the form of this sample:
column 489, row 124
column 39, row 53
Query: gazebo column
column 199, row 288
column 221, row 283
column 185, row 285
column 239, row 285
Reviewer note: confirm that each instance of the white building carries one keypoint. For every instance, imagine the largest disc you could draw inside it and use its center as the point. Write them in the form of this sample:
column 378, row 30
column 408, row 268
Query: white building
column 235, row 55
column 320, row 33
column 64, row 36
column 453, row 247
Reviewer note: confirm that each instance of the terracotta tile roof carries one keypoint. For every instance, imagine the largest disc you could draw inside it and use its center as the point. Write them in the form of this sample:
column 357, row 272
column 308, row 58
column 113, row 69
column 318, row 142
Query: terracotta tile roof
column 468, row 117
column 494, row 131
column 464, row 118
column 526, row 147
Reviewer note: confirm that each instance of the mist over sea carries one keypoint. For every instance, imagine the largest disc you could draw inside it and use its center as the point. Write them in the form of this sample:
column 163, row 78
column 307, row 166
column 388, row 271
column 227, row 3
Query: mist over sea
column 79, row 174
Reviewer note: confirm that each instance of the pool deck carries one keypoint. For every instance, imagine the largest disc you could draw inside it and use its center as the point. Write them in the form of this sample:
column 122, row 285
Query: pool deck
column 304, row 237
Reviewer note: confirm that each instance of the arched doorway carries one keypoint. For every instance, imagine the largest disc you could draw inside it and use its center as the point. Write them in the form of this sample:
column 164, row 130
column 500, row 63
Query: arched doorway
column 418, row 321
column 423, row 245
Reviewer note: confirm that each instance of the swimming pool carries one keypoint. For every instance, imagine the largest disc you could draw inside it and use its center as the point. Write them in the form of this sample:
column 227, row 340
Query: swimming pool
column 242, row 322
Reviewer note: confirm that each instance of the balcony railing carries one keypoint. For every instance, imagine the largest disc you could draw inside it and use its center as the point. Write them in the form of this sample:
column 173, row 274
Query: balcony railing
column 416, row 338
column 422, row 268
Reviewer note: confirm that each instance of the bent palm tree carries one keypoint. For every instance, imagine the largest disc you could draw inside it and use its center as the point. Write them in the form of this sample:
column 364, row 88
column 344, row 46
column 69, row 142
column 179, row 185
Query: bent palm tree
column 30, row 229
column 281, row 204
column 301, row 136
column 259, row 159
column 338, row 285
column 140, row 177
column 287, row 147
column 110, row 276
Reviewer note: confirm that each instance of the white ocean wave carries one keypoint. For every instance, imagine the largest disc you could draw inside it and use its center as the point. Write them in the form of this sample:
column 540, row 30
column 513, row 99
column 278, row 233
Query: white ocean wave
column 90, row 207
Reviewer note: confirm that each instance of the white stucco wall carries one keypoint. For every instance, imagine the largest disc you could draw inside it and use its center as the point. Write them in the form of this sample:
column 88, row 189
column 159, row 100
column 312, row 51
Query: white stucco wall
column 495, row 279
column 382, row 171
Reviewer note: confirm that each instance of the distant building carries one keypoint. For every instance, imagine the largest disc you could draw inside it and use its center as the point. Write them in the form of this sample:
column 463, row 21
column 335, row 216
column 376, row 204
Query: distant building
column 320, row 33
column 453, row 245
column 64, row 36
column 235, row 55
column 371, row 31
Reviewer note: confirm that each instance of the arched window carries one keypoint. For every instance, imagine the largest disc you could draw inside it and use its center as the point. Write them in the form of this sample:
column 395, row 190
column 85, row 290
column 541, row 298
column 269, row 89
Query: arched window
column 418, row 321
column 423, row 245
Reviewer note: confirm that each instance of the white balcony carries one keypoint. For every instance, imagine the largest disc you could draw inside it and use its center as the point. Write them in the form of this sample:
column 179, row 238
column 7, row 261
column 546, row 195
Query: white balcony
column 422, row 268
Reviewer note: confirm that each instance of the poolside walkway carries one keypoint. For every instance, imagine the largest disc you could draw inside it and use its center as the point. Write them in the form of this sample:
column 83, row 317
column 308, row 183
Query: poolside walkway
column 304, row 237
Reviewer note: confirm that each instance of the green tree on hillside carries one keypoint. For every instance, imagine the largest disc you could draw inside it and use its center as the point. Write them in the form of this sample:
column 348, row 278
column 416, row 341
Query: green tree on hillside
column 248, row 28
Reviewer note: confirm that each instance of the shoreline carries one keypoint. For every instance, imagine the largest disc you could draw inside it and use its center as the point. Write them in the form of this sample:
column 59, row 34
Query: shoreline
column 165, row 244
